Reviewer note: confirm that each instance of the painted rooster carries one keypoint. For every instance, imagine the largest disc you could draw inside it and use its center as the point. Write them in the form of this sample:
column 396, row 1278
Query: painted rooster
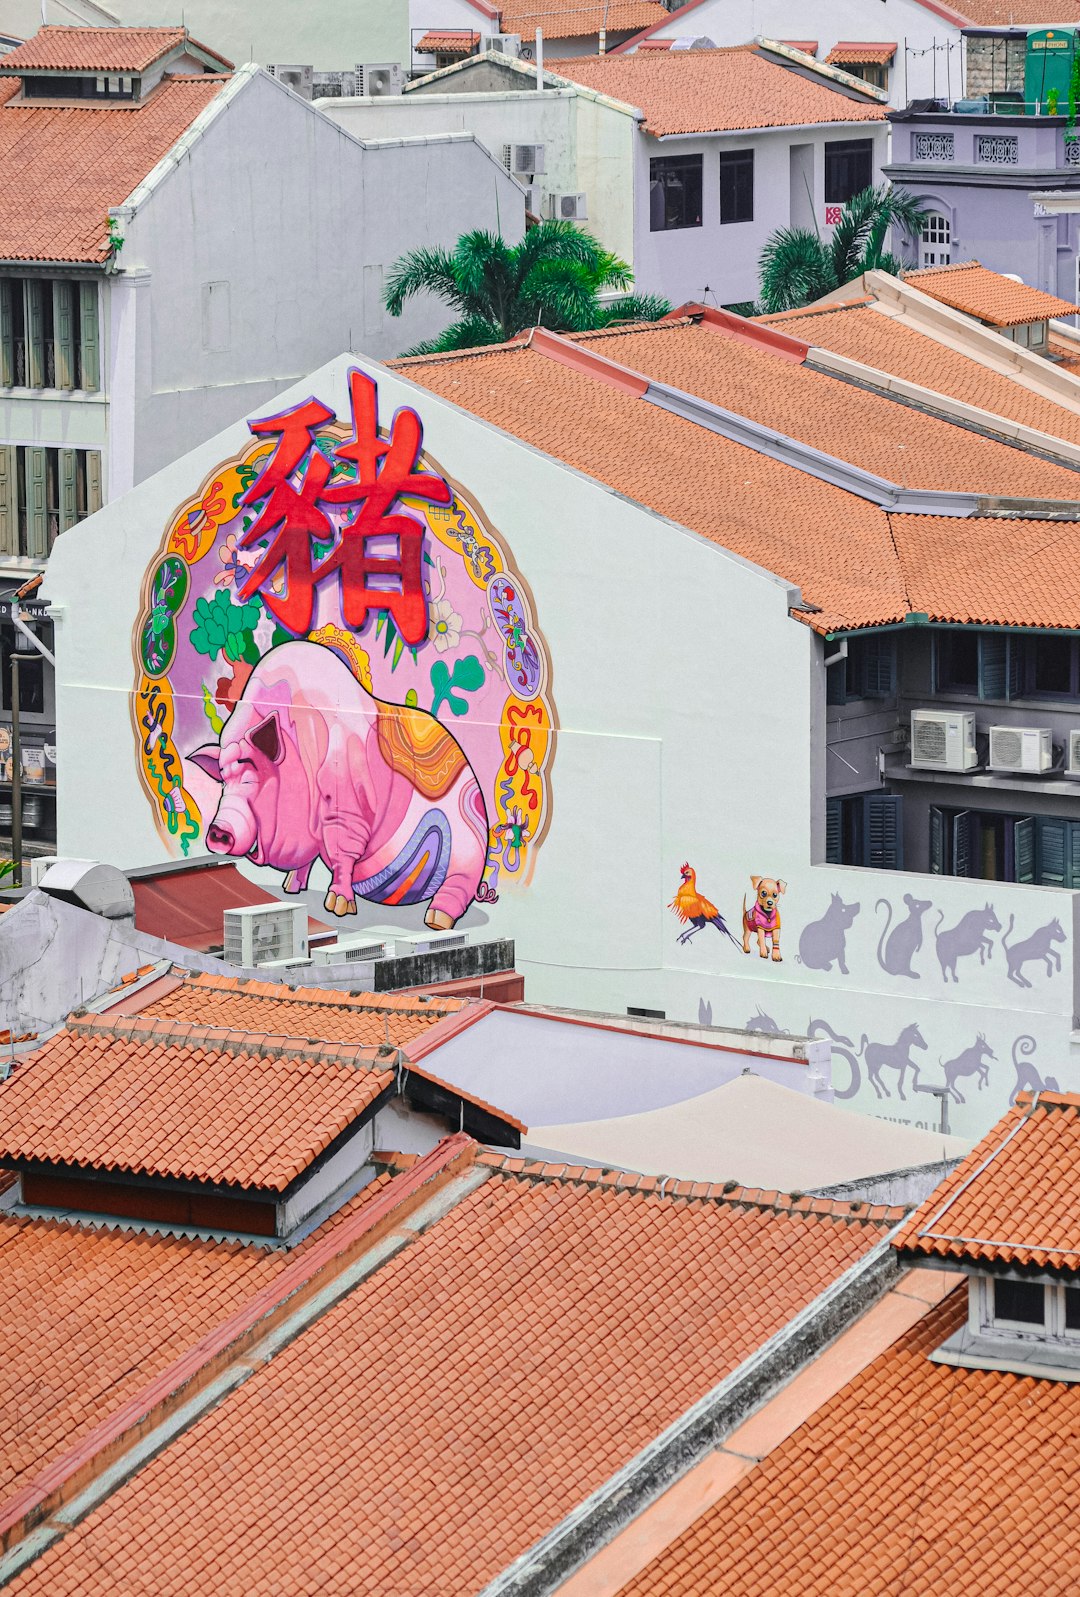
column 693, row 910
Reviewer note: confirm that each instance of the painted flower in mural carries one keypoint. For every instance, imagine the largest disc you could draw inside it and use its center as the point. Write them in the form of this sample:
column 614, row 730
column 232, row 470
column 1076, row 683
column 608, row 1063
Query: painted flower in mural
column 236, row 564
column 222, row 627
column 445, row 628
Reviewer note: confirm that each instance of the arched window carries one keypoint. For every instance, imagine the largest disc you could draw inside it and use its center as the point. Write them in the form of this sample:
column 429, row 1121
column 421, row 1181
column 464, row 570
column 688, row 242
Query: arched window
column 935, row 243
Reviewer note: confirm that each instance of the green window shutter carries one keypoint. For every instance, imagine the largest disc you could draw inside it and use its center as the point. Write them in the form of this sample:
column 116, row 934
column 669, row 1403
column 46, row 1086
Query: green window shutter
column 883, row 840
column 937, row 841
column 37, row 514
column 1072, row 854
column 63, row 296
column 9, row 501
column 1016, row 667
column 993, row 665
column 1024, row 849
column 1050, row 850
column 88, row 335
column 879, row 667
column 7, row 335
column 93, row 481
column 34, row 290
column 961, row 843
column 834, row 840
column 69, row 510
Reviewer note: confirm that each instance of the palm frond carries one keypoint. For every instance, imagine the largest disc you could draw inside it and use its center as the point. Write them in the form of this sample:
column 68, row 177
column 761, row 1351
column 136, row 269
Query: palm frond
column 633, row 308
column 795, row 268
column 560, row 294
column 558, row 240
column 471, row 332
column 424, row 270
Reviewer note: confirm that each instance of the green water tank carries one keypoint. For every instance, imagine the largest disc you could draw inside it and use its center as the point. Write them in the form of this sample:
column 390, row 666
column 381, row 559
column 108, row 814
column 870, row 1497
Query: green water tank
column 1048, row 66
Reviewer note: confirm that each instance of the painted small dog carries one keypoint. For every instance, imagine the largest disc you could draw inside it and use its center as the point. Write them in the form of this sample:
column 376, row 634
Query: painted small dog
column 763, row 918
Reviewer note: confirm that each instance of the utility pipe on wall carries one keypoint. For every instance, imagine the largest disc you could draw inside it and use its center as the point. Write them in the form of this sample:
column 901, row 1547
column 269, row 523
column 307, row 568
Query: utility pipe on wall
column 539, row 60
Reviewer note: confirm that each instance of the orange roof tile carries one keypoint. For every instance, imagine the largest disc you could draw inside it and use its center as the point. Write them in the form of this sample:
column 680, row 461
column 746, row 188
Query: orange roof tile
column 915, row 1479
column 93, row 1314
column 571, row 19
column 59, row 49
column 707, row 91
column 65, row 166
column 987, row 295
column 1012, row 1201
column 462, row 1398
column 990, row 571
column 449, row 43
column 871, row 430
column 367, row 1019
column 160, row 1099
column 849, row 51
column 1016, row 13
column 892, row 344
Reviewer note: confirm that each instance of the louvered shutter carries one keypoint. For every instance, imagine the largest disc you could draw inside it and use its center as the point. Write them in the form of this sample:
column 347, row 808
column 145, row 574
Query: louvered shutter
column 1024, row 849
column 1050, row 851
column 937, row 841
column 63, row 297
column 834, row 840
column 69, row 508
column 37, row 513
column 7, row 335
column 93, row 481
column 961, row 843
column 883, row 842
column 9, row 500
column 88, row 336
column 1016, row 667
column 879, row 667
column 35, row 332
column 993, row 665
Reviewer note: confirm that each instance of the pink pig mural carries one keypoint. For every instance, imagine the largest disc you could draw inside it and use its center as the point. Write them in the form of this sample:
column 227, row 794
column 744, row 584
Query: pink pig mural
column 312, row 766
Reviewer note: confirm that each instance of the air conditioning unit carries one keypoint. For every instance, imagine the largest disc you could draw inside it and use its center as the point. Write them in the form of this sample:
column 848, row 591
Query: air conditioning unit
column 406, row 945
column 347, row 950
column 943, row 740
column 532, row 201
column 504, row 43
column 379, row 78
column 1072, row 767
column 259, row 934
column 526, row 159
column 1021, row 748
column 568, row 207
column 334, row 85
column 285, row 964
column 299, row 79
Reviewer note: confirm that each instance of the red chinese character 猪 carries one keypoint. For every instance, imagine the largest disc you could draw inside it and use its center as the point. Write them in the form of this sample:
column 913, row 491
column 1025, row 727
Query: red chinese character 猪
column 385, row 469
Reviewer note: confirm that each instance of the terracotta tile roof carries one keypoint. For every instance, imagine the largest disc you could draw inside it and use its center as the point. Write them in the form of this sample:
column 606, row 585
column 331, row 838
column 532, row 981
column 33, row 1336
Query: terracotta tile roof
column 987, row 295
column 92, row 1314
column 706, row 91
column 915, row 1479
column 571, row 19
column 871, row 430
column 848, row 51
column 367, row 1019
column 159, row 1098
column 838, row 548
column 993, row 572
column 807, row 46
column 461, row 43
column 1013, row 1200
column 74, row 163
column 1066, row 356
column 463, row 1397
column 60, row 49
column 1017, row 13
column 891, row 344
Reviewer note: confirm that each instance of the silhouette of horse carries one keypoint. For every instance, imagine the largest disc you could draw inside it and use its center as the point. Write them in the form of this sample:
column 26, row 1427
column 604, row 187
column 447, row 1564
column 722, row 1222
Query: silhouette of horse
column 897, row 1055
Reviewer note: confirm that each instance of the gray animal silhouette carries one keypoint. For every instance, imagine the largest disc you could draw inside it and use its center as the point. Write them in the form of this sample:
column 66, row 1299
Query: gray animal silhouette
column 704, row 1012
column 824, row 941
column 762, row 1022
column 1027, row 1077
column 897, row 1055
column 968, row 936
column 972, row 1062
column 1040, row 945
column 897, row 948
column 842, row 1047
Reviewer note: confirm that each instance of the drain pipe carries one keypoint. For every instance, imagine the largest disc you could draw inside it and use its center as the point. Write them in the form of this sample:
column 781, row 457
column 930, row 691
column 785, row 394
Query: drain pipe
column 841, row 654
column 539, row 60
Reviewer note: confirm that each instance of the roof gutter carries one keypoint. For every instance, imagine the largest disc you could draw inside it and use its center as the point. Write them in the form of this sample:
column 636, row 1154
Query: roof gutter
column 775, row 127
column 919, row 618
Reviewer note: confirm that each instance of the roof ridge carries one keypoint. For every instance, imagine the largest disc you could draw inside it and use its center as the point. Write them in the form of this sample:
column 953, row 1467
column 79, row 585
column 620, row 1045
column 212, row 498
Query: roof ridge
column 231, row 1040
column 729, row 1192
column 324, row 997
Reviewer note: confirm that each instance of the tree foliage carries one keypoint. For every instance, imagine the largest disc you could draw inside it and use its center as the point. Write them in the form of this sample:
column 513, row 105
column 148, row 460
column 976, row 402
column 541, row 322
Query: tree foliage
column 797, row 266
column 553, row 278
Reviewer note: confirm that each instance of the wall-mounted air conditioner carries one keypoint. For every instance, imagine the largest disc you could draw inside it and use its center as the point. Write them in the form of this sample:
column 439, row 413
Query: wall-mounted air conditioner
column 299, row 79
column 379, row 77
column 1072, row 767
column 526, row 160
column 532, row 201
column 410, row 943
column 259, row 934
column 504, row 43
column 348, row 950
column 943, row 740
column 1021, row 748
column 568, row 207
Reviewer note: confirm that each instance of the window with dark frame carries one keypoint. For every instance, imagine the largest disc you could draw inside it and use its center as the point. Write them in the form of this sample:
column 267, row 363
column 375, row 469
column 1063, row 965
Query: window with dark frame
column 849, row 168
column 736, row 186
column 1020, row 1302
column 675, row 188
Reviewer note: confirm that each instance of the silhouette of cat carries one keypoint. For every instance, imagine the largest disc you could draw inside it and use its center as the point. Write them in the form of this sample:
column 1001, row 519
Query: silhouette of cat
column 825, row 941
column 968, row 936
column 1027, row 1077
column 1038, row 946
column 897, row 948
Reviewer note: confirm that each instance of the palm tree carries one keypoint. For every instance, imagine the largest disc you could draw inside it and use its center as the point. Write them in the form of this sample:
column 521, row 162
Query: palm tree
column 797, row 266
column 552, row 278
